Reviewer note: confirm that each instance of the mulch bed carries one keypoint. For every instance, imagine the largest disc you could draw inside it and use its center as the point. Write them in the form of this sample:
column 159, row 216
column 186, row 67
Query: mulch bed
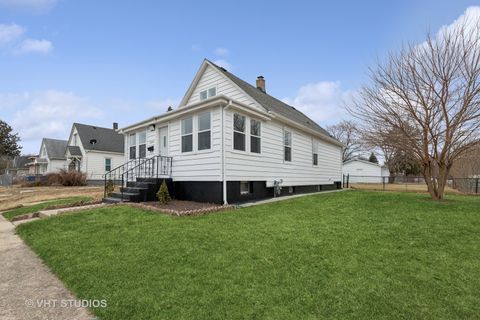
column 181, row 208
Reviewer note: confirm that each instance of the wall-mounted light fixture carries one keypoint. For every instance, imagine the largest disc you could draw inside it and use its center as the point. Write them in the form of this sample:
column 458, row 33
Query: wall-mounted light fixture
column 151, row 127
column 150, row 149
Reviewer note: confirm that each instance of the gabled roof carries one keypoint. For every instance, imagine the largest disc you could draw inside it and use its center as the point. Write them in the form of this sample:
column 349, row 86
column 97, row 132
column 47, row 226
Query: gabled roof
column 364, row 161
column 21, row 161
column 106, row 139
column 74, row 151
column 55, row 148
column 271, row 103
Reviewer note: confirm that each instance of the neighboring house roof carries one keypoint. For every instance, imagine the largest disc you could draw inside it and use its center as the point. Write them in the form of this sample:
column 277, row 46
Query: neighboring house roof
column 273, row 104
column 364, row 161
column 74, row 151
column 105, row 139
column 21, row 161
column 55, row 148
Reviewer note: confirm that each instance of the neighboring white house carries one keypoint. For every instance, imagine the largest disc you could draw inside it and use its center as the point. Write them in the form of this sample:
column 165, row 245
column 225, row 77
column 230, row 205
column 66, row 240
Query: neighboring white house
column 363, row 171
column 51, row 157
column 94, row 150
column 230, row 142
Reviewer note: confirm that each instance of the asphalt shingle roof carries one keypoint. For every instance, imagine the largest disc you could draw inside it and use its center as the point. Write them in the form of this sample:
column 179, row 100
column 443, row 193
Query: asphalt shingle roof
column 55, row 148
column 74, row 150
column 106, row 139
column 273, row 104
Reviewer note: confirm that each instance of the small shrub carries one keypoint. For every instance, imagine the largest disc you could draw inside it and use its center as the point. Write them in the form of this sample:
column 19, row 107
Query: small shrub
column 53, row 178
column 109, row 187
column 72, row 178
column 163, row 195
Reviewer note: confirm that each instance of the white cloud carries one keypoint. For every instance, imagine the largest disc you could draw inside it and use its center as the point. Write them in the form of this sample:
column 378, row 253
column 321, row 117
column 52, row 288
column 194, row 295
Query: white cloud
column 470, row 19
column 35, row 6
column 10, row 32
column 50, row 114
column 223, row 63
column 35, row 46
column 221, row 52
column 322, row 101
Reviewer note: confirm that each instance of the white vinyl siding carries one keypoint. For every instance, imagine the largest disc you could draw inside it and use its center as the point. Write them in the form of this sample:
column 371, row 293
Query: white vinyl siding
column 212, row 78
column 270, row 164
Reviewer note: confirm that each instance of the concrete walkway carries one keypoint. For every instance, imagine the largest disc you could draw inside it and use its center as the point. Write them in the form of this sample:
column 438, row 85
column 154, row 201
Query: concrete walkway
column 27, row 285
column 282, row 198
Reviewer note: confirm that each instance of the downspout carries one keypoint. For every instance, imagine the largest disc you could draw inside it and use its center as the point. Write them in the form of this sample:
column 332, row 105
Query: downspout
column 224, row 182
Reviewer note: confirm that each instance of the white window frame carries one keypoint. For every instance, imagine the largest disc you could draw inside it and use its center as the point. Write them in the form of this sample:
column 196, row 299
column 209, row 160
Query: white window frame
column 240, row 132
column 105, row 164
column 198, row 131
column 140, row 144
column 251, row 135
column 187, row 134
column 207, row 93
column 130, row 145
column 285, row 131
column 315, row 148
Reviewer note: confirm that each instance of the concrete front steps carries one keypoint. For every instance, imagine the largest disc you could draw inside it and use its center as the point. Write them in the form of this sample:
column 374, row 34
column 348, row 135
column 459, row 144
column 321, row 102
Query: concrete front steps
column 142, row 190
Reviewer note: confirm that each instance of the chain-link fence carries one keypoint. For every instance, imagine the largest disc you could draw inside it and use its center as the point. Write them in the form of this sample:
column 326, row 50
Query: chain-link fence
column 408, row 183
column 6, row 180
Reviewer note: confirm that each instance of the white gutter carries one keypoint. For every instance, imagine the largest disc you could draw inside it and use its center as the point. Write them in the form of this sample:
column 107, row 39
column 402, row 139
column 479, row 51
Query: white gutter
column 177, row 113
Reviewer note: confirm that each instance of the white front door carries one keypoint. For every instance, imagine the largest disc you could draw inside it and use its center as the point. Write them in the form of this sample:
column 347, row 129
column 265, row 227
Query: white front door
column 163, row 141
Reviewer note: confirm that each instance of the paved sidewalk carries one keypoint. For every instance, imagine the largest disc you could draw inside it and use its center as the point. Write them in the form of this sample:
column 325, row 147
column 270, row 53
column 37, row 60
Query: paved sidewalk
column 24, row 280
column 282, row 198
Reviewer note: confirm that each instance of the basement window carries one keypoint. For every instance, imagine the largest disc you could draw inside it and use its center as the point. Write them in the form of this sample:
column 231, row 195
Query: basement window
column 245, row 187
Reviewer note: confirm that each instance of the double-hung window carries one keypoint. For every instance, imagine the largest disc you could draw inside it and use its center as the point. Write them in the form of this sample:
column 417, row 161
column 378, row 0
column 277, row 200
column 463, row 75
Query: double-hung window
column 239, row 132
column 108, row 164
column 133, row 146
column 204, row 131
column 187, row 134
column 142, row 144
column 287, row 146
column 315, row 152
column 255, row 128
column 205, row 94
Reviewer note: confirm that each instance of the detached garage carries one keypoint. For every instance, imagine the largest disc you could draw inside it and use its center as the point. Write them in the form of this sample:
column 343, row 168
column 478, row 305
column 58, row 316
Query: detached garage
column 363, row 171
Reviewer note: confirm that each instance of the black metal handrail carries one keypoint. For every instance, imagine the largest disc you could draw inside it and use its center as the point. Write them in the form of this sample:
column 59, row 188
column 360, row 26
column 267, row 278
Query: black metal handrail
column 154, row 167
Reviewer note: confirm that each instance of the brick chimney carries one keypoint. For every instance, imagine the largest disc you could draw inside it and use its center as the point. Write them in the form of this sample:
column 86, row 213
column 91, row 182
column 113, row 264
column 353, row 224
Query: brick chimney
column 261, row 83
column 115, row 126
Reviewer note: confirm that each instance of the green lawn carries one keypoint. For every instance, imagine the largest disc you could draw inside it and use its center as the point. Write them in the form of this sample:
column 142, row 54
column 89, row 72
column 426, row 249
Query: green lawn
column 349, row 255
column 42, row 206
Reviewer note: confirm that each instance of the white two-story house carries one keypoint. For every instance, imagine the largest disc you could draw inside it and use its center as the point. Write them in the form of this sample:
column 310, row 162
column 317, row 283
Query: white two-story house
column 230, row 142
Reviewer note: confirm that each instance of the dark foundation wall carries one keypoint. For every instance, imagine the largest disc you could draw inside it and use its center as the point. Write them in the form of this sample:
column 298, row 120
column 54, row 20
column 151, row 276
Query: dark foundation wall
column 259, row 190
column 200, row 191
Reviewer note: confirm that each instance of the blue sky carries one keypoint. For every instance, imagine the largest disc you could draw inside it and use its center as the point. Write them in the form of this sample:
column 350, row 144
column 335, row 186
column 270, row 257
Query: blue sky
column 103, row 61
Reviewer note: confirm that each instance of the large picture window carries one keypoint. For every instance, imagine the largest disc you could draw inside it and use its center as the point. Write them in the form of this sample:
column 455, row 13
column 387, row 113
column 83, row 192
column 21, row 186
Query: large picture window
column 133, row 146
column 239, row 132
column 142, row 144
column 204, row 131
column 187, row 135
column 287, row 145
column 255, row 127
column 315, row 152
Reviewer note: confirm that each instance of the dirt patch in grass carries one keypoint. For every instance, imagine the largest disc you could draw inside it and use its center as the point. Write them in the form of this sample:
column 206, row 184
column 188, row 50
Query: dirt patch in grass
column 15, row 196
column 181, row 207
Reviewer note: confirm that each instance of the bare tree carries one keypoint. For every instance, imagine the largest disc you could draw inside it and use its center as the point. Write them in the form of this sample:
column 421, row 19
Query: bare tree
column 426, row 101
column 347, row 133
